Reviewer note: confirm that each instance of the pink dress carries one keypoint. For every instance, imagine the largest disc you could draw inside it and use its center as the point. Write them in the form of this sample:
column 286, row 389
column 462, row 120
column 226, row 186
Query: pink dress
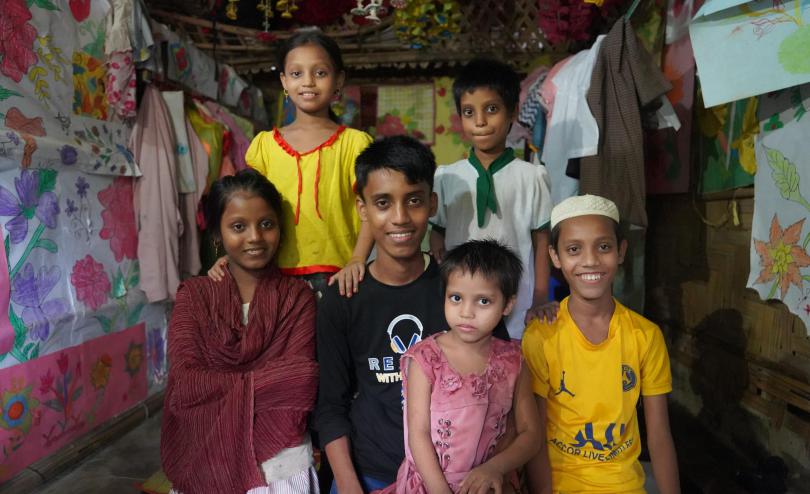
column 467, row 412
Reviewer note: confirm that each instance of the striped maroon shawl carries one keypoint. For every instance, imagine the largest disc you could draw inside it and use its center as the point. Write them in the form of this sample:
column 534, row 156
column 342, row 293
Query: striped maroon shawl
column 236, row 395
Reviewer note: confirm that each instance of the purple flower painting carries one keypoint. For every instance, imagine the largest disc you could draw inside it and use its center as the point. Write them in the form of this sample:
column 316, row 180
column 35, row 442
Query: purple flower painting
column 30, row 201
column 68, row 155
column 29, row 290
column 82, row 186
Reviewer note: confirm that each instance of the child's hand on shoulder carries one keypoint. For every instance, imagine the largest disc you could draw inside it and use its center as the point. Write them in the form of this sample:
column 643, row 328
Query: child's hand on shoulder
column 482, row 480
column 349, row 278
column 217, row 271
column 545, row 311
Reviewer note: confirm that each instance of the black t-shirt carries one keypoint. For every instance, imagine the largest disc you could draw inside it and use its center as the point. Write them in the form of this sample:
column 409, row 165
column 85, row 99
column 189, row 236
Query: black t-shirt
column 360, row 342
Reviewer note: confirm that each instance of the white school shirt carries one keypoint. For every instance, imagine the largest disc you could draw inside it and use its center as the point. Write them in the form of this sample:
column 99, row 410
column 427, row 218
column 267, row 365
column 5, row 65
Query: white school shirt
column 524, row 204
column 572, row 131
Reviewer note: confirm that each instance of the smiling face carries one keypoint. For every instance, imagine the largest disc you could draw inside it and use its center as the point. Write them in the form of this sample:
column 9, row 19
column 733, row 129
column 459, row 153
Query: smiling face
column 310, row 78
column 485, row 119
column 588, row 255
column 250, row 233
column 473, row 305
column 397, row 213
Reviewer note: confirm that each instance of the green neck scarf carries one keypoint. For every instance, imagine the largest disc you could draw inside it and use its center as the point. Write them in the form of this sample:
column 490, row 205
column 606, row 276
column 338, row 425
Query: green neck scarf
column 485, row 185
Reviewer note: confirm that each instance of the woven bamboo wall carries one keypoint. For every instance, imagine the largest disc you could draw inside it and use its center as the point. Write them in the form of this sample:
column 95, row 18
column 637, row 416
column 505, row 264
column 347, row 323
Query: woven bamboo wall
column 740, row 365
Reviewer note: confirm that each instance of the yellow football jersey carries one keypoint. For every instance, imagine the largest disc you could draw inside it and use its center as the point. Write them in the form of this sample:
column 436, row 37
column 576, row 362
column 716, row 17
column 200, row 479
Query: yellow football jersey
column 591, row 393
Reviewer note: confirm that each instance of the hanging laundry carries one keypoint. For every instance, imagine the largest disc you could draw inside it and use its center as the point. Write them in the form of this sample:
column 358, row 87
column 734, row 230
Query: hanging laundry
column 211, row 134
column 240, row 143
column 120, row 77
column 141, row 38
column 190, row 264
column 531, row 103
column 572, row 131
column 156, row 198
column 185, row 172
column 625, row 79
column 230, row 85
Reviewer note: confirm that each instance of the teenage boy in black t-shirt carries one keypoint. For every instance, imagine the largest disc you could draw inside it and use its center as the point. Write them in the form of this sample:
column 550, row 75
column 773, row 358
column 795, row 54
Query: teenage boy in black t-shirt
column 398, row 302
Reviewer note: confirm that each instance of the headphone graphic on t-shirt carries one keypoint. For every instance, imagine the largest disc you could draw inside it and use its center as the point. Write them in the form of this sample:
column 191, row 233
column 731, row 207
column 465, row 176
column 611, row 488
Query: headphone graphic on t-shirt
column 397, row 345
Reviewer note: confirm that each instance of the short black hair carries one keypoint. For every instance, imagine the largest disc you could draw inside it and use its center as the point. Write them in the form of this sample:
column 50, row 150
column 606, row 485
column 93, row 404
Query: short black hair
column 492, row 74
column 249, row 181
column 311, row 37
column 399, row 153
column 488, row 257
column 554, row 237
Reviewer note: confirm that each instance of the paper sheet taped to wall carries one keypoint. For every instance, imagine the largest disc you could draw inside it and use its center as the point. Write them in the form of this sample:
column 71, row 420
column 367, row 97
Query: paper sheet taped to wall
column 747, row 48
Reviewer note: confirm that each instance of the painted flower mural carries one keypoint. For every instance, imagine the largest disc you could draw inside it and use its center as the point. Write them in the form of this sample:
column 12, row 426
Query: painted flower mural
column 80, row 9
column 17, row 407
column 34, row 198
column 100, row 373
column 782, row 257
column 16, row 39
column 156, row 349
column 68, row 155
column 89, row 96
column 133, row 359
column 34, row 201
column 30, row 291
column 90, row 282
column 119, row 219
column 66, row 390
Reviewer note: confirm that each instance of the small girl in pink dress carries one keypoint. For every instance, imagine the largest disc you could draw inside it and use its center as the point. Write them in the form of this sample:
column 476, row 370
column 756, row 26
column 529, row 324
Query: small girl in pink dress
column 460, row 385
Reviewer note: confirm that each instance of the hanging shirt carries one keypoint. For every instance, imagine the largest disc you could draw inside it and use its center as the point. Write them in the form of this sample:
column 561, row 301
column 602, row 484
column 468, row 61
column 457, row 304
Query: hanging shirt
column 211, row 133
column 156, row 198
column 185, row 169
column 625, row 79
column 572, row 131
column 319, row 219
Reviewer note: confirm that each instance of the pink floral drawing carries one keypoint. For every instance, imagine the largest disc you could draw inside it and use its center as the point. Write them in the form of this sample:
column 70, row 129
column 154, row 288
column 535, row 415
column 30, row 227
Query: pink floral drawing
column 66, row 389
column 391, row 125
column 16, row 39
column 90, row 281
column 119, row 219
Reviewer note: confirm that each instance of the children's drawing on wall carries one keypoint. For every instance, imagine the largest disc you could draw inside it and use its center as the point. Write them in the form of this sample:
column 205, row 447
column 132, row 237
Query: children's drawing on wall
column 747, row 48
column 780, row 262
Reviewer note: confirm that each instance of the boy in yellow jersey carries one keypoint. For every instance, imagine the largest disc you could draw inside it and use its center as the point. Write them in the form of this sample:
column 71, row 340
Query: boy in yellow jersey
column 593, row 363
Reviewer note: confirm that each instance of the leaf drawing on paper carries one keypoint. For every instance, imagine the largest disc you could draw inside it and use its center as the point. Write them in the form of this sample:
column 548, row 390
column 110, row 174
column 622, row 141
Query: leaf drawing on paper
column 792, row 52
column 785, row 177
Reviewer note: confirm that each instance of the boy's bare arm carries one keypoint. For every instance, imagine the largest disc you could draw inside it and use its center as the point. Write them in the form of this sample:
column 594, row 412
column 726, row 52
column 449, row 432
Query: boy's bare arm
column 541, row 308
column 349, row 278
column 539, row 468
column 340, row 460
column 660, row 444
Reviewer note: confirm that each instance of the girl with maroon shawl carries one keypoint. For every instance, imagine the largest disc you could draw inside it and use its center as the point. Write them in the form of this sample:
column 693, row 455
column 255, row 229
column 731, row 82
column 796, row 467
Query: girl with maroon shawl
column 243, row 376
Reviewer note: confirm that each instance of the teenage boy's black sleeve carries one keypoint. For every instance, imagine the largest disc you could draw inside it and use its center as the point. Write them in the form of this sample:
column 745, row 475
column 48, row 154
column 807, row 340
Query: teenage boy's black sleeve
column 336, row 384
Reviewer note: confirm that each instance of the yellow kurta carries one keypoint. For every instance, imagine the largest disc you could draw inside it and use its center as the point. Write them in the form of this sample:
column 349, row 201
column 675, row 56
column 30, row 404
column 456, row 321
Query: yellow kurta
column 319, row 219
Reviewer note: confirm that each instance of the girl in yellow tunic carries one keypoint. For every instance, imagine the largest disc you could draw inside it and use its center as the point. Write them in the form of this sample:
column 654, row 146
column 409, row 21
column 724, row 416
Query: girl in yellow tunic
column 311, row 162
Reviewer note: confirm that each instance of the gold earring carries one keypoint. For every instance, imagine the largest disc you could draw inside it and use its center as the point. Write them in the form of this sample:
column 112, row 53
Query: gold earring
column 286, row 95
column 216, row 249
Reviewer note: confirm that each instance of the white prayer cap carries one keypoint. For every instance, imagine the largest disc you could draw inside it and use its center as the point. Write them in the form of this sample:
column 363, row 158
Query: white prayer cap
column 583, row 205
